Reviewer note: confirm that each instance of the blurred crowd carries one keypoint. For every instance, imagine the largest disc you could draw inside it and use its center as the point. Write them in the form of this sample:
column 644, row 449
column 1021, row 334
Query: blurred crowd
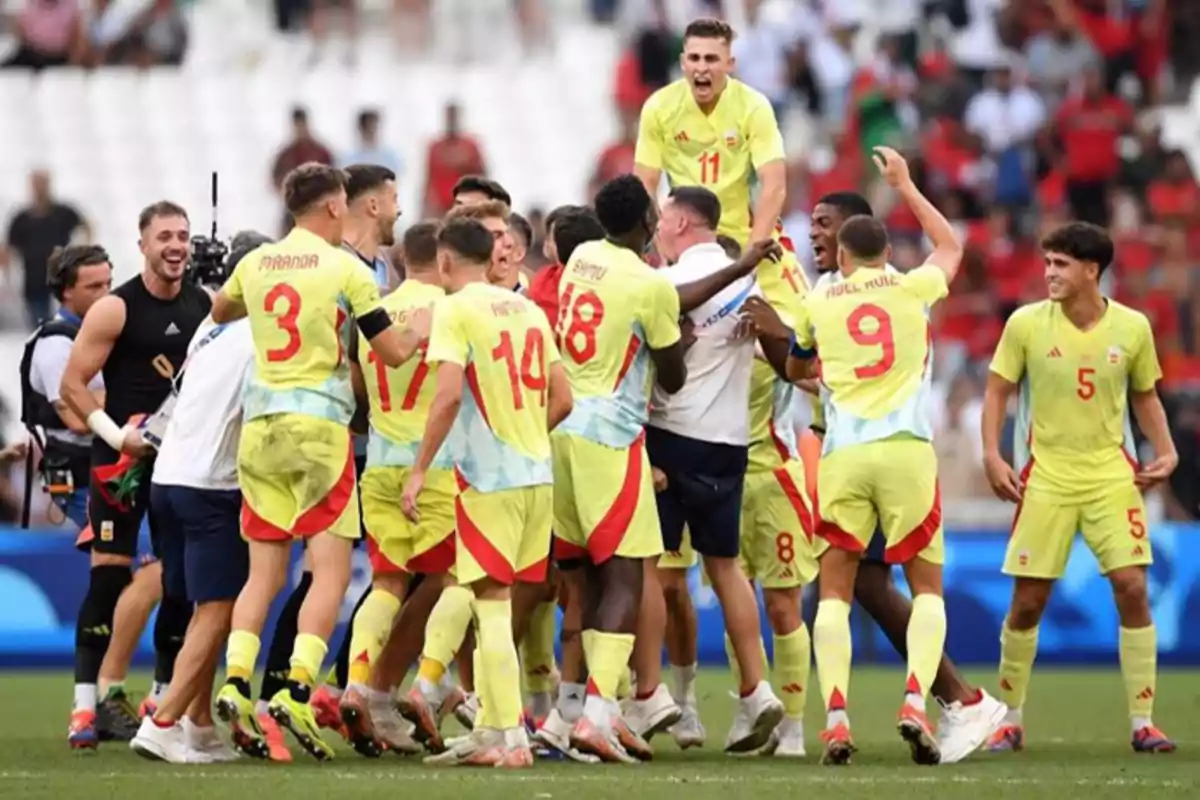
column 1016, row 115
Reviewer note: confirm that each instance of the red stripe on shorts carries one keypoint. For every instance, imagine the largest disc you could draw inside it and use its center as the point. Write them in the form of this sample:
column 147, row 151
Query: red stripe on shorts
column 380, row 563
column 493, row 562
column 437, row 560
column 317, row 519
column 563, row 549
column 792, row 492
column 919, row 537
column 604, row 540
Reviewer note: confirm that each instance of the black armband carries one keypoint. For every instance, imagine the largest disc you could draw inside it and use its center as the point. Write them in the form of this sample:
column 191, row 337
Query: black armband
column 817, row 429
column 374, row 323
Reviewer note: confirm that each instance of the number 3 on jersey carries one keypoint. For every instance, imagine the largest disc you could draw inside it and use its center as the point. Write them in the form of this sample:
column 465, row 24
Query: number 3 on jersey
column 532, row 374
column 578, row 318
column 285, row 295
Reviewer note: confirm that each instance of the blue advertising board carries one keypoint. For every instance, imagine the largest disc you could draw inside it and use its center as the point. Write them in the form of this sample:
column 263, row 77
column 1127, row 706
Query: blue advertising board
column 43, row 579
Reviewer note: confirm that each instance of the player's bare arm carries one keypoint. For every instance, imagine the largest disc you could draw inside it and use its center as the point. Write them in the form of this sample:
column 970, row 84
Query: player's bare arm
column 947, row 250
column 225, row 309
column 1000, row 475
column 447, row 399
column 560, row 402
column 650, row 177
column 697, row 293
column 74, row 422
column 800, row 367
column 772, row 196
column 1151, row 418
column 773, row 335
column 395, row 345
column 671, row 372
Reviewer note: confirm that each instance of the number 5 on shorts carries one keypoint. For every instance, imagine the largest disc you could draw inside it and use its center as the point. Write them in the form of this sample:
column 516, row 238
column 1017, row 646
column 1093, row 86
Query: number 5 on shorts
column 1137, row 528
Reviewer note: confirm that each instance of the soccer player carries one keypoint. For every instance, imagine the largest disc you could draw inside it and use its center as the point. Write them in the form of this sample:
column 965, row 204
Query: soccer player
column 1080, row 363
column 295, row 459
column 968, row 713
column 878, row 383
column 138, row 337
column 499, row 373
column 472, row 189
column 709, row 129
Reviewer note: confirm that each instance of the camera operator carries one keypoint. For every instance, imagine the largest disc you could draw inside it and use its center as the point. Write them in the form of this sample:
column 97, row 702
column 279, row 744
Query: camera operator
column 197, row 505
column 138, row 338
column 78, row 276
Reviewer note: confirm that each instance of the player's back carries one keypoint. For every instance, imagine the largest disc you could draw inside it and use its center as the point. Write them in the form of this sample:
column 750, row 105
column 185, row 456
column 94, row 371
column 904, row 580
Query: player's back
column 300, row 294
column 399, row 397
column 873, row 336
column 613, row 309
column 506, row 347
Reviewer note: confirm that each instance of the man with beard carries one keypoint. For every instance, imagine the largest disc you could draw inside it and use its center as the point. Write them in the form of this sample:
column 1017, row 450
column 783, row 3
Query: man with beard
column 138, row 338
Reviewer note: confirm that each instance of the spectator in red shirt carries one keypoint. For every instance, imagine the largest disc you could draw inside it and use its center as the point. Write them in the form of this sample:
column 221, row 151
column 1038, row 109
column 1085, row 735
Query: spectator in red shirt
column 567, row 227
column 302, row 149
column 1089, row 125
column 616, row 159
column 452, row 156
column 1175, row 195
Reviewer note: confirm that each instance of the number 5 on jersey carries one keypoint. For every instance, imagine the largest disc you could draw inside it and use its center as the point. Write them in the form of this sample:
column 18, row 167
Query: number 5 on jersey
column 578, row 318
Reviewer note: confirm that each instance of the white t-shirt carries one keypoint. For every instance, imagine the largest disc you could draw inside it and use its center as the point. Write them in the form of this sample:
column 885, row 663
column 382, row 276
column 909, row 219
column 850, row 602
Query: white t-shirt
column 46, row 368
column 714, row 404
column 199, row 448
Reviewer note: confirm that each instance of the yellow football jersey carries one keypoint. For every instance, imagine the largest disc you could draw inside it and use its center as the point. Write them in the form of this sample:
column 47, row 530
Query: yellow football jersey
column 300, row 294
column 872, row 332
column 720, row 150
column 772, row 400
column 506, row 347
column 1073, row 436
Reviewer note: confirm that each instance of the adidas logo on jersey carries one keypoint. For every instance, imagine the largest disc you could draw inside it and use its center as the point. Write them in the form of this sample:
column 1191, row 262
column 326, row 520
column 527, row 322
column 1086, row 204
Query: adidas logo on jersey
column 1054, row 353
column 171, row 330
column 681, row 136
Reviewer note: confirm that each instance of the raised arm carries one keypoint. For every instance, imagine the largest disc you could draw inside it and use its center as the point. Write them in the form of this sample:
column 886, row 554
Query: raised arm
column 947, row 250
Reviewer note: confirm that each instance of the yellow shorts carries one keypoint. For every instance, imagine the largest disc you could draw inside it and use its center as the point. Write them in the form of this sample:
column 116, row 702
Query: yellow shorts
column 1044, row 527
column 395, row 543
column 891, row 484
column 297, row 478
column 503, row 535
column 604, row 499
column 684, row 558
column 777, row 529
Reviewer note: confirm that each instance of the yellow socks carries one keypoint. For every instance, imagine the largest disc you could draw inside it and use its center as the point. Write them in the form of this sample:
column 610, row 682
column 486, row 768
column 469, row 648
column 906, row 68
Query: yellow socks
column 926, row 636
column 537, row 650
column 1139, row 670
column 736, row 668
column 625, row 683
column 307, row 654
column 371, row 627
column 793, row 654
column 1017, row 652
column 831, row 641
column 607, row 657
column 498, row 682
column 444, row 632
column 241, row 651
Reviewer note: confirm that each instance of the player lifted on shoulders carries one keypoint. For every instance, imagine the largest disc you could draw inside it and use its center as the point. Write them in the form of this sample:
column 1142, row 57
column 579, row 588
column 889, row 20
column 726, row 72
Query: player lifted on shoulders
column 295, row 459
column 1079, row 362
column 873, row 334
column 499, row 373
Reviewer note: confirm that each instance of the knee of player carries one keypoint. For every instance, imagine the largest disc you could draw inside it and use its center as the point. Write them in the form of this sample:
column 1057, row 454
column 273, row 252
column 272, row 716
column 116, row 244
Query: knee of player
column 1029, row 601
column 1129, row 589
column 783, row 609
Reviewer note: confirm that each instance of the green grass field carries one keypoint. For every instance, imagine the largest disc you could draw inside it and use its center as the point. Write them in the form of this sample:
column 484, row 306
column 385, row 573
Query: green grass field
column 1077, row 736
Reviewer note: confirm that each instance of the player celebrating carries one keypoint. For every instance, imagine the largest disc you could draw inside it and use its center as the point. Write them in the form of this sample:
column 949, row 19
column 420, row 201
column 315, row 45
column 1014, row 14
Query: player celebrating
column 878, row 417
column 295, row 459
column 1081, row 362
column 501, row 346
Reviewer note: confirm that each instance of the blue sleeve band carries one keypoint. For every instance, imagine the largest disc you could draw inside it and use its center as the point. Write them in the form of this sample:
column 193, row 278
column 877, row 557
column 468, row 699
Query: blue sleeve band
column 796, row 351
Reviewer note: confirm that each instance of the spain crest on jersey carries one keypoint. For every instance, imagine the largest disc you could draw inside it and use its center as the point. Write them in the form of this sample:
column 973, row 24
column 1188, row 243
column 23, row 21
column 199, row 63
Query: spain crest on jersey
column 731, row 139
column 1114, row 355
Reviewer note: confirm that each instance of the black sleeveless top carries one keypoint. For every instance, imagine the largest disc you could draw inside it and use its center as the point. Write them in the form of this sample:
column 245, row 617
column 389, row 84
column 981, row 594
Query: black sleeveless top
column 150, row 350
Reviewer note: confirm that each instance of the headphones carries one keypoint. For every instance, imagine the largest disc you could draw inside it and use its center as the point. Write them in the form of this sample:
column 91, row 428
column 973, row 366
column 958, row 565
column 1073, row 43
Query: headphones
column 62, row 268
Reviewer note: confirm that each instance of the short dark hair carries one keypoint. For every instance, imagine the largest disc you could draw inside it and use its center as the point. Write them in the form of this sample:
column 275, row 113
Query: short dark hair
column 62, row 268
column 244, row 243
column 521, row 225
column 367, row 116
column 557, row 213
column 299, row 115
column 363, row 178
column 864, row 237
column 729, row 245
column 308, row 183
column 485, row 186
column 709, row 28
column 162, row 208
column 468, row 239
column 420, row 243
column 848, row 204
column 572, row 228
column 622, row 204
column 700, row 200
column 1082, row 241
